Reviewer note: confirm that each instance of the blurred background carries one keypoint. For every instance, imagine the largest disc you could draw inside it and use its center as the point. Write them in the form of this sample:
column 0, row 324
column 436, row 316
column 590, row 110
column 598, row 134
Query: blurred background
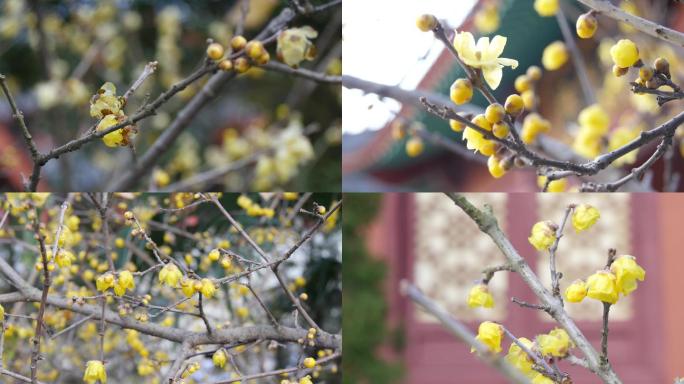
column 402, row 63
column 88, row 42
column 428, row 240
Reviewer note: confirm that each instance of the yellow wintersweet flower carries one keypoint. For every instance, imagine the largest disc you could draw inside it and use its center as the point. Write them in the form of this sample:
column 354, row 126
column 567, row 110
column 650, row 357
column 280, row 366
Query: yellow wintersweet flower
column 490, row 334
column 112, row 139
column 556, row 343
column 208, row 288
column 188, row 286
column 219, row 358
column 146, row 367
column 559, row 185
column 170, row 275
column 533, row 125
column 294, row 45
column 576, row 291
column 584, row 217
column 519, row 358
column 624, row 53
column 290, row 196
column 2, row 312
column 546, row 8
column 475, row 139
column 95, row 371
column 105, row 102
column 309, row 362
column 587, row 143
column 214, row 254
column 543, row 235
column 72, row 222
column 242, row 312
column 484, row 55
column 602, row 286
column 64, row 258
column 480, row 297
column 554, row 56
column 495, row 167
column 487, row 19
column 104, row 282
column 594, row 118
column 414, row 146
column 123, row 283
column 627, row 272
column 621, row 137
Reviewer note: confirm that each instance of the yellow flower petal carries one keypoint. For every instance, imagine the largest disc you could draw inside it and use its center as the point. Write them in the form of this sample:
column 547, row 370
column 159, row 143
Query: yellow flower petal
column 602, row 286
column 493, row 75
column 496, row 48
column 479, row 296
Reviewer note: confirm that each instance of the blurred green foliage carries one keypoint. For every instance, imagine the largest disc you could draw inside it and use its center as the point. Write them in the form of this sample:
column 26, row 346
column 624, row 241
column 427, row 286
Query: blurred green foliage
column 364, row 306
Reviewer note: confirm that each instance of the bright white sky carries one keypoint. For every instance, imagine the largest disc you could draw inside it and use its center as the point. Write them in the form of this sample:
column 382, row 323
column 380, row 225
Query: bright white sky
column 382, row 44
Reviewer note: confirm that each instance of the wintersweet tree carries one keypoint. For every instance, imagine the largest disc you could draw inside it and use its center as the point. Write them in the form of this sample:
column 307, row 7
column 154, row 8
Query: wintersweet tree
column 170, row 96
column 539, row 358
column 170, row 288
column 630, row 106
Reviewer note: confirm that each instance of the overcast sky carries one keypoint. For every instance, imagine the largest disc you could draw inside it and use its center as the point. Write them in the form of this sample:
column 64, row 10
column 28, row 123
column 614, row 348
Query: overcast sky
column 382, row 44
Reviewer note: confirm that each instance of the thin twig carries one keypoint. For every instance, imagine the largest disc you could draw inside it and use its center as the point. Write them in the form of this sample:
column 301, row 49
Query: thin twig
column 147, row 72
column 488, row 273
column 203, row 315
column 303, row 73
column 283, row 371
column 35, row 353
column 525, row 304
column 548, row 371
column 271, row 318
column 604, row 335
column 635, row 174
column 555, row 276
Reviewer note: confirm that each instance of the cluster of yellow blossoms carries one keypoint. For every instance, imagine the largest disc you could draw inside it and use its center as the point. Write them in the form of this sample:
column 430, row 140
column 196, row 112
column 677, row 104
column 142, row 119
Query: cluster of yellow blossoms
column 254, row 53
column 108, row 107
column 543, row 233
column 74, row 259
column 254, row 209
column 124, row 281
column 606, row 285
column 293, row 47
column 555, row 344
column 95, row 371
